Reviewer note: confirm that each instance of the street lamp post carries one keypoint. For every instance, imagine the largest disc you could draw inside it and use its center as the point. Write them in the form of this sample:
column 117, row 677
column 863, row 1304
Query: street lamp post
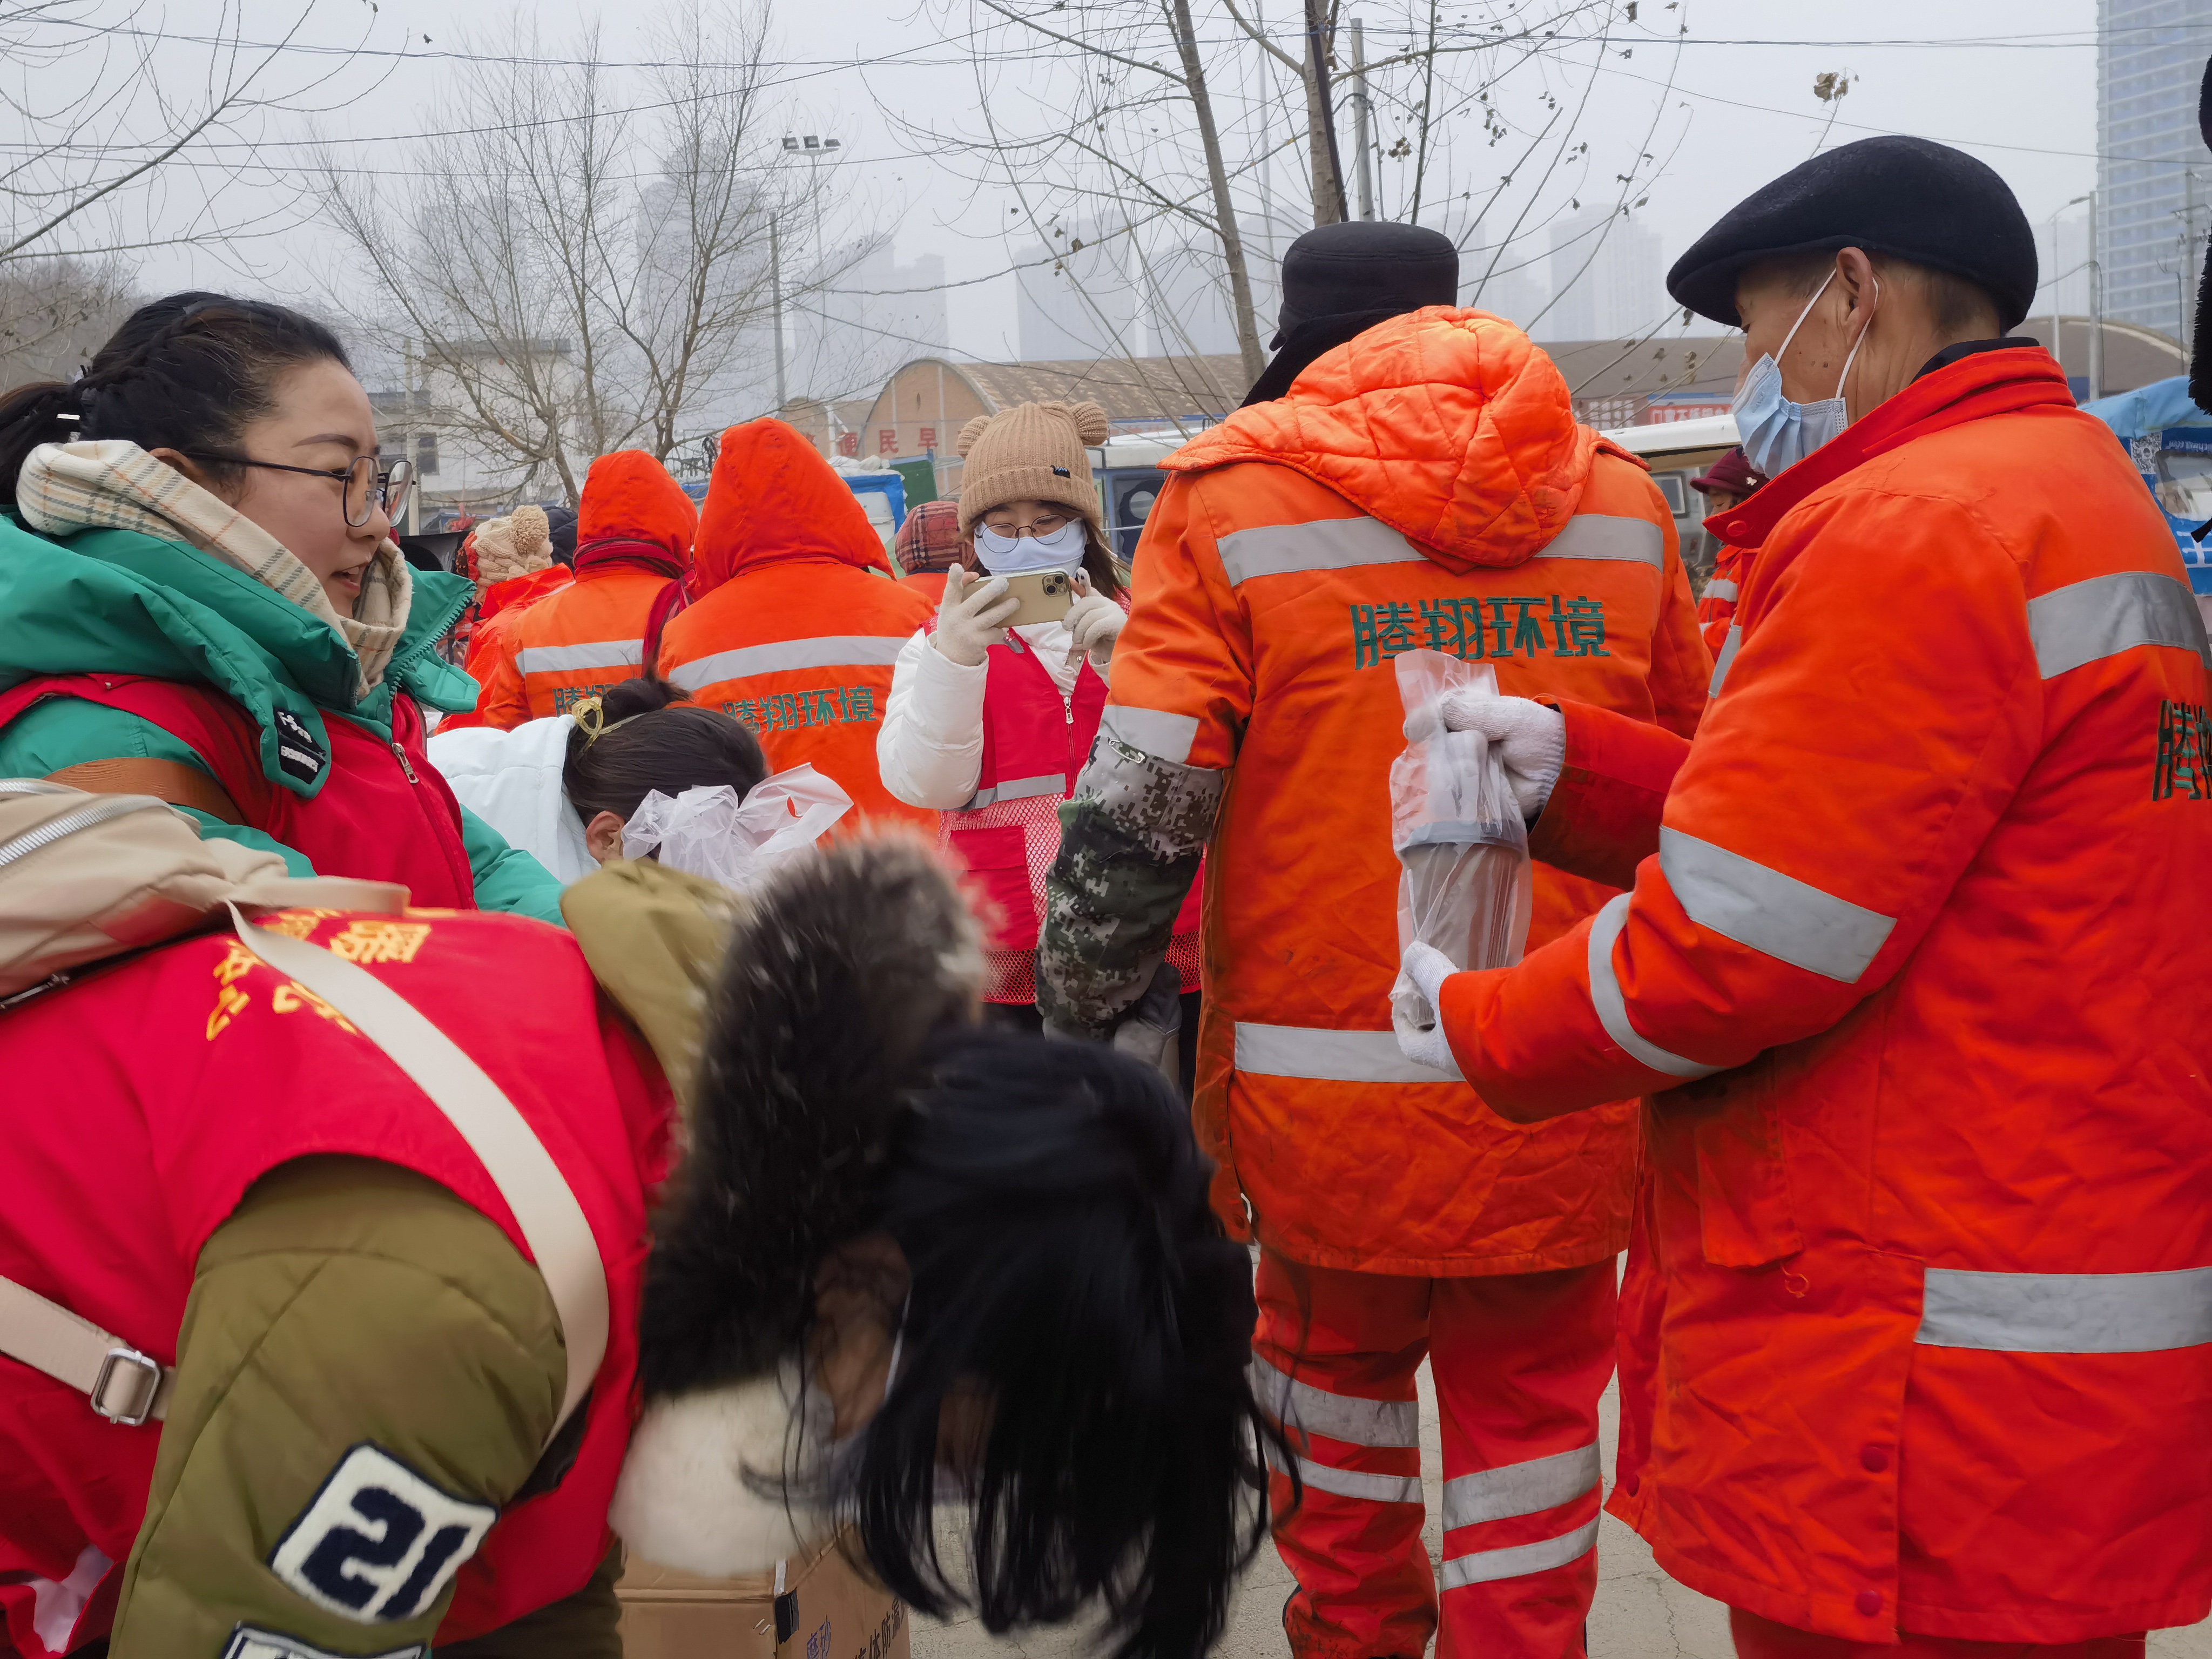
column 813, row 147
column 2057, row 338
column 2096, row 308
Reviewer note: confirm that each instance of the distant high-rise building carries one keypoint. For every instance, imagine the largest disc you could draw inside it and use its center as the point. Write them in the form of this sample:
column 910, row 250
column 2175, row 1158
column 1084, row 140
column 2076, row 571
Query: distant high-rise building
column 1606, row 278
column 1075, row 299
column 2152, row 167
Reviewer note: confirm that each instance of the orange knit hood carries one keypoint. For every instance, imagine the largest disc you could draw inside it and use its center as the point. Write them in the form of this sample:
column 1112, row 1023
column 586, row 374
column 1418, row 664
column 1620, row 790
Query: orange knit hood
column 773, row 497
column 632, row 512
column 1450, row 426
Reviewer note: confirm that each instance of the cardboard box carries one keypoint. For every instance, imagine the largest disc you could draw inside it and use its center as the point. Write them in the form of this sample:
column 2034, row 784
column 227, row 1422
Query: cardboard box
column 826, row 1609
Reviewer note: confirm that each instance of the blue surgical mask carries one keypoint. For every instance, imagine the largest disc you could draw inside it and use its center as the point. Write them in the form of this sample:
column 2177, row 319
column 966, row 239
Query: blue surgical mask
column 1775, row 433
column 1018, row 555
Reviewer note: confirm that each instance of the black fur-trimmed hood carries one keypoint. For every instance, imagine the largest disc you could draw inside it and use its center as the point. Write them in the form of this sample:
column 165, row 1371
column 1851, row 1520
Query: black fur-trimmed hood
column 836, row 983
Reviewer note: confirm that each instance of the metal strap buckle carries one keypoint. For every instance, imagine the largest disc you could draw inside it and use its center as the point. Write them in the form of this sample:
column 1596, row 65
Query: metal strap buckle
column 149, row 1375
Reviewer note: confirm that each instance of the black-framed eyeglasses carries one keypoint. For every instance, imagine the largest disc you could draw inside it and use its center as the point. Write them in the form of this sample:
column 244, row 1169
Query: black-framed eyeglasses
column 365, row 485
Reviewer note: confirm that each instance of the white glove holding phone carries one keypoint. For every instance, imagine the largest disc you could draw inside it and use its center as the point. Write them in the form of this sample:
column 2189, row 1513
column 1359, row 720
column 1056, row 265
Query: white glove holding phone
column 1095, row 620
column 1531, row 741
column 1428, row 967
column 971, row 620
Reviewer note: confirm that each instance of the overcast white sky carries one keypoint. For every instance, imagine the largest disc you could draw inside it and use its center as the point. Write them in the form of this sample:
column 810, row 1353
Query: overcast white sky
column 2012, row 81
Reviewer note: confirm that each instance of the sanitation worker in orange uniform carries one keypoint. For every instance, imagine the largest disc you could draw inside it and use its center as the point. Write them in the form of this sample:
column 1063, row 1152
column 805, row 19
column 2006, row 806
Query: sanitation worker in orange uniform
column 1914, row 968
column 633, row 542
column 798, row 617
column 1405, row 475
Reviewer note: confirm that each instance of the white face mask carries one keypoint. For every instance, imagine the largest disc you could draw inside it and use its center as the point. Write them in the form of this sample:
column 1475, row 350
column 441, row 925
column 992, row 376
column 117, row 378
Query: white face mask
column 1018, row 555
column 1775, row 433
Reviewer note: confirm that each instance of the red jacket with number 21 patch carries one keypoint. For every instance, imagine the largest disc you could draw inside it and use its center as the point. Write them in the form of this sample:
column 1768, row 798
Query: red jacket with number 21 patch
column 1916, row 972
column 141, row 1105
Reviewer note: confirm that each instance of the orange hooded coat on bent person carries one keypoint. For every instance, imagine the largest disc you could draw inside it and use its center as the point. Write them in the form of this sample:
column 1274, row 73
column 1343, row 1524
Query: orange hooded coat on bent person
column 798, row 621
column 634, row 533
column 1424, row 485
column 1918, row 955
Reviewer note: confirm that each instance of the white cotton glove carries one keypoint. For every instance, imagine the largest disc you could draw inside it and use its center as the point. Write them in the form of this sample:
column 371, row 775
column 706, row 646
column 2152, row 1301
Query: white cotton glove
column 1531, row 740
column 971, row 620
column 1419, row 1027
column 1096, row 621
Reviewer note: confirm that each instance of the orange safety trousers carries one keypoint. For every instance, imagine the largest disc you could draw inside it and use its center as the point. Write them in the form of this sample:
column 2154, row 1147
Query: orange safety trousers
column 1520, row 1361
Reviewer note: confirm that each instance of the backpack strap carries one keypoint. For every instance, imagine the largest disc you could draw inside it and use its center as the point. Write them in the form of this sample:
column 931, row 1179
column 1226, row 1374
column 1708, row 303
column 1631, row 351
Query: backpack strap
column 545, row 1210
column 173, row 781
column 124, row 1385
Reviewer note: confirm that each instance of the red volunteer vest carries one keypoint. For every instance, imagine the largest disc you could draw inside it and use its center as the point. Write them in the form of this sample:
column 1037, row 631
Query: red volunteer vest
column 1035, row 743
column 142, row 1103
column 383, row 813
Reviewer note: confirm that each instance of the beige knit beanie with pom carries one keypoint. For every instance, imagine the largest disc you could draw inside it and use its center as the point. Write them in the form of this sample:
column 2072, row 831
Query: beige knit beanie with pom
column 1032, row 452
column 516, row 545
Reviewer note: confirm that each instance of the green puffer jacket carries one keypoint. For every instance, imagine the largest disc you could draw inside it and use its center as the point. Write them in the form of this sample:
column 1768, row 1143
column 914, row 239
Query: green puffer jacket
column 120, row 603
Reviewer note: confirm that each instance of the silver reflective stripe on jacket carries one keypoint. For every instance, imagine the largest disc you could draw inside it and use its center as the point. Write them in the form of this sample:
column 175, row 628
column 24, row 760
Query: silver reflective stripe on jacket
column 1787, row 919
column 1279, row 549
column 1050, row 783
column 1721, row 588
column 2067, row 1313
column 1608, row 536
column 1487, row 1566
column 1159, row 734
column 1726, row 660
column 1530, row 1488
column 1331, row 1056
column 598, row 654
column 830, row 651
column 1350, row 1483
column 2086, row 622
column 1613, row 1008
column 1302, row 1406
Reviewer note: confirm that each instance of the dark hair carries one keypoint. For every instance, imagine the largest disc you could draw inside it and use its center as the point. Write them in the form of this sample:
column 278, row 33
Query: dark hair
column 1108, row 575
column 670, row 744
column 1065, row 1271
column 191, row 372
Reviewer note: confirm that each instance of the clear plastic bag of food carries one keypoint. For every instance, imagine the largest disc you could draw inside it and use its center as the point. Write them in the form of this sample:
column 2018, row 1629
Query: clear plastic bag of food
column 1464, row 885
column 710, row 832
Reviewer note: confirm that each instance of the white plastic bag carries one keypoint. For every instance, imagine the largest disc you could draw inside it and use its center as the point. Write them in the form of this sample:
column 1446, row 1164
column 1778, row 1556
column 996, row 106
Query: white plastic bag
column 1465, row 885
column 710, row 832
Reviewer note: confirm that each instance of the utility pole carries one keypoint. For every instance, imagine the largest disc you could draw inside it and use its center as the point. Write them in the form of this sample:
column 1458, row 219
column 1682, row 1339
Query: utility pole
column 2192, row 247
column 1363, row 123
column 2096, row 307
column 775, row 303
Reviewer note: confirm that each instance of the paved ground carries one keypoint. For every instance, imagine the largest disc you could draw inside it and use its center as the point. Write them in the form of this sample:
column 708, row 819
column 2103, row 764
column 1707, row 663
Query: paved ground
column 1641, row 1614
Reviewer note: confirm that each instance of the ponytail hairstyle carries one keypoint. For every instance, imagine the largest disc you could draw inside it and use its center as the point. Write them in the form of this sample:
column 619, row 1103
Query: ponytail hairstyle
column 664, row 742
column 188, row 372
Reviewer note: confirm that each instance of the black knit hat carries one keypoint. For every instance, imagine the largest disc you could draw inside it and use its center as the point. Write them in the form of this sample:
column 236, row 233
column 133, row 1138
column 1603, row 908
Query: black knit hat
column 1912, row 198
column 1365, row 265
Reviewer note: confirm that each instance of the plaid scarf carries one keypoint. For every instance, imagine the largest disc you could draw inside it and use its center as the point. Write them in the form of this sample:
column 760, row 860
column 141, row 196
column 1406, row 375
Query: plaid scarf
column 112, row 484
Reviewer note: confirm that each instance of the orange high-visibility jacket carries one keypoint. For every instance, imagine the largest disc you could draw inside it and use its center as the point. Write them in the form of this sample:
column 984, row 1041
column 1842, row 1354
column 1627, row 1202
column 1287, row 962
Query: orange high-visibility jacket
column 1918, row 952
column 500, row 611
column 1717, row 603
column 799, row 619
column 1424, row 485
column 634, row 530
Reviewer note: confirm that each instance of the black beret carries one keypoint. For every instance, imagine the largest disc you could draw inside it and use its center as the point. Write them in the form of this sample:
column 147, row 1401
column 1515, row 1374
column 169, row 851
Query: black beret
column 1365, row 265
column 1912, row 198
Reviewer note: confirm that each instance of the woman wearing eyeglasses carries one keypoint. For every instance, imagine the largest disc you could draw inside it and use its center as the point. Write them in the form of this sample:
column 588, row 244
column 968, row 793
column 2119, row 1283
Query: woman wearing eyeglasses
column 203, row 603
